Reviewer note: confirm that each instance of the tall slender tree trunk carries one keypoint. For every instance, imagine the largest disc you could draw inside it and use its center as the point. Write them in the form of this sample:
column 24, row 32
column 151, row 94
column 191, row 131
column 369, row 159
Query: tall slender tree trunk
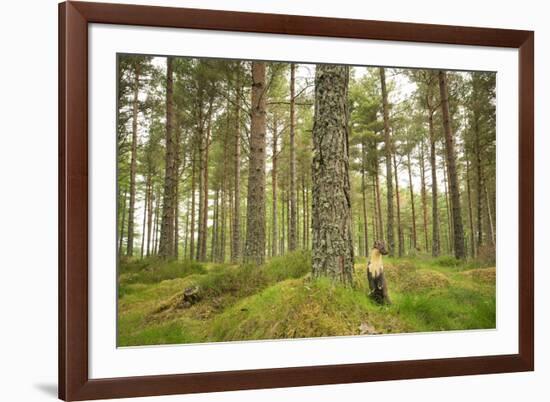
column 451, row 162
column 166, row 245
column 388, row 149
column 192, row 226
column 304, row 212
column 332, row 242
column 470, row 213
column 435, row 210
column 490, row 217
column 255, row 218
column 423, row 197
column 145, row 207
column 400, row 240
column 479, row 183
column 379, row 204
column 157, row 224
column 274, row 160
column 204, row 221
column 122, row 223
column 411, row 190
column 375, row 230
column 236, row 235
column 215, row 234
column 448, row 210
column 178, row 170
column 187, row 229
column 364, row 197
column 150, row 218
column 133, row 162
column 201, row 197
column 308, row 218
column 284, row 225
column 293, row 201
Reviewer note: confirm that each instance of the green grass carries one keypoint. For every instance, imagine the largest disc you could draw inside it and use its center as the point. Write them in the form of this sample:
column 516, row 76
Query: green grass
column 280, row 300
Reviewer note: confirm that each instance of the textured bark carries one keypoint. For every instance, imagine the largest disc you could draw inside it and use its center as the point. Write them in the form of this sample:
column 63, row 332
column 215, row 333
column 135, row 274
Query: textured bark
column 332, row 244
column 411, row 190
column 150, row 218
column 388, row 149
column 292, row 233
column 458, row 232
column 423, row 196
column 236, row 235
column 435, row 212
column 255, row 218
column 166, row 245
column 133, row 162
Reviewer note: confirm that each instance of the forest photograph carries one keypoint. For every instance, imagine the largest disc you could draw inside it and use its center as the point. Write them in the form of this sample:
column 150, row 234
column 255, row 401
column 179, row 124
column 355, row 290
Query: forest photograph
column 261, row 200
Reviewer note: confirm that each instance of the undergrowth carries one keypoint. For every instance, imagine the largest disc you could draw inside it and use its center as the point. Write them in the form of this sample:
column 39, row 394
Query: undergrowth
column 280, row 300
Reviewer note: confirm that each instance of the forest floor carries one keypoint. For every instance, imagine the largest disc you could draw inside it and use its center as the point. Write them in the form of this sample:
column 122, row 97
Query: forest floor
column 280, row 300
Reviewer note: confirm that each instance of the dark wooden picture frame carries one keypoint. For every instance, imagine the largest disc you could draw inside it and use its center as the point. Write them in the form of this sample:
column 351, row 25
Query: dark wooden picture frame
column 74, row 381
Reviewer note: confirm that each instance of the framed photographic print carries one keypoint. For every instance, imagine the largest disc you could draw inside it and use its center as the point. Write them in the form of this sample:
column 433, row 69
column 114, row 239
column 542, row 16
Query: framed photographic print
column 259, row 200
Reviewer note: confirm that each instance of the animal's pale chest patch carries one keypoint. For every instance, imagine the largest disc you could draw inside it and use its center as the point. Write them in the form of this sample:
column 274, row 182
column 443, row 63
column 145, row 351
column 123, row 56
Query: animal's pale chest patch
column 375, row 266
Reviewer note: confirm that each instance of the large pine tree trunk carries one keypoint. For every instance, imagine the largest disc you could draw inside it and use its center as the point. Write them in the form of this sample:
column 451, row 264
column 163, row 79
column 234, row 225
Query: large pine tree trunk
column 332, row 243
column 435, row 211
column 133, row 162
column 458, row 231
column 292, row 233
column 166, row 245
column 236, row 235
column 411, row 190
column 255, row 218
column 388, row 149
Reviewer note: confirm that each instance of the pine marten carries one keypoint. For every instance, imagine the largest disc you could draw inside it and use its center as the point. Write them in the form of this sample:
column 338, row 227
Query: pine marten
column 375, row 274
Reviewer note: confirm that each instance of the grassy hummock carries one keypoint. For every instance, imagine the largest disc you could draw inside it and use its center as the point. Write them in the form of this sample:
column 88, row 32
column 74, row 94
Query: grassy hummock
column 280, row 300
